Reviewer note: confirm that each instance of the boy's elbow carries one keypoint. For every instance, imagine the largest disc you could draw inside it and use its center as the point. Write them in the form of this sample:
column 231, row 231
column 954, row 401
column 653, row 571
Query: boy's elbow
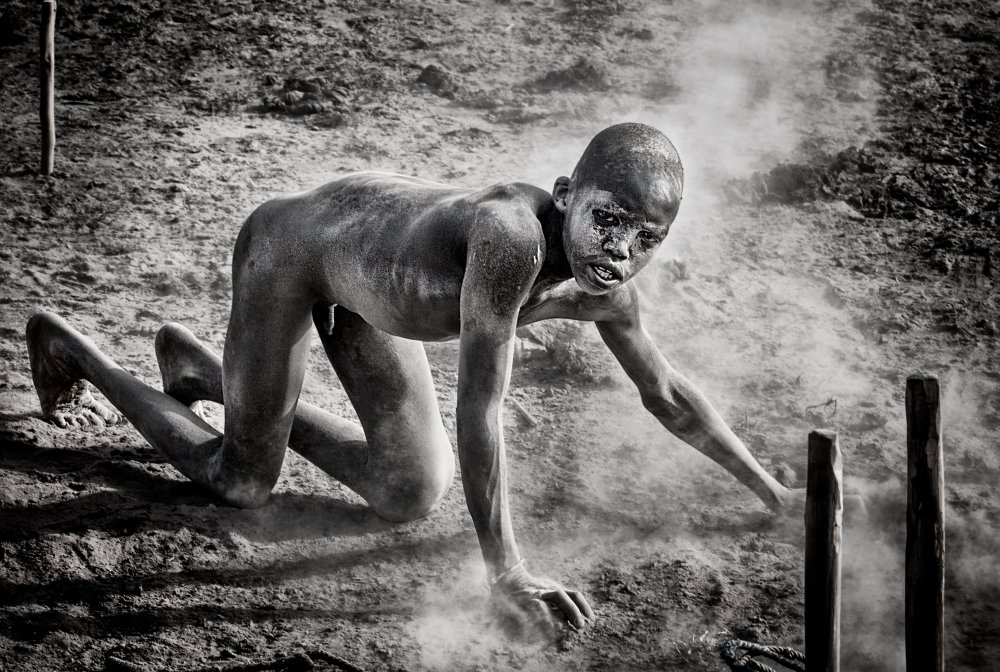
column 668, row 409
column 658, row 402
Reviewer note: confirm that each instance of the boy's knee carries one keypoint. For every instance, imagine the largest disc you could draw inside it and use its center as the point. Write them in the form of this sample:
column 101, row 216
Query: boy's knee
column 403, row 507
column 413, row 494
column 242, row 485
column 247, row 495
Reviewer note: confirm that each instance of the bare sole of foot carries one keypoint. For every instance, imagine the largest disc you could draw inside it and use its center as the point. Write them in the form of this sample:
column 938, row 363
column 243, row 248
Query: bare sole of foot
column 65, row 397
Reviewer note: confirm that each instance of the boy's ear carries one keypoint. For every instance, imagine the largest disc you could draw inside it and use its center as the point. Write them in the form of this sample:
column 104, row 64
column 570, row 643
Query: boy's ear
column 559, row 192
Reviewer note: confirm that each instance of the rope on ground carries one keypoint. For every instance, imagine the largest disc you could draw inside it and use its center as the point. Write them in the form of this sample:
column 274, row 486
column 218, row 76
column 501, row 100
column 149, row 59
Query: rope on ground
column 739, row 655
column 336, row 661
column 116, row 664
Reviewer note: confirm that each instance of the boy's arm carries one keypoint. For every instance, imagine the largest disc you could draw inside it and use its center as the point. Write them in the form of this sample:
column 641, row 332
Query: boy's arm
column 496, row 283
column 682, row 409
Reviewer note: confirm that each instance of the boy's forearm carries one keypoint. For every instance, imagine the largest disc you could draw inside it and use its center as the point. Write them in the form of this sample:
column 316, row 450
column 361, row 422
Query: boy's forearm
column 689, row 417
column 484, row 479
column 682, row 409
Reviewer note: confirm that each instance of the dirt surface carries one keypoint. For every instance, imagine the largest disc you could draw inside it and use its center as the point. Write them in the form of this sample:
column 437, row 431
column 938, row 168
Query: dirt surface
column 839, row 232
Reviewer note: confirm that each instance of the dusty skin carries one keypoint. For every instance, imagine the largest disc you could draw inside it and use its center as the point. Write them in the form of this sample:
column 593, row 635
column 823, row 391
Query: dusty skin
column 379, row 263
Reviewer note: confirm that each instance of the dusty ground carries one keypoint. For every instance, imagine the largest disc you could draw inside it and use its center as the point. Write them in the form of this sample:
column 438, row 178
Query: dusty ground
column 839, row 232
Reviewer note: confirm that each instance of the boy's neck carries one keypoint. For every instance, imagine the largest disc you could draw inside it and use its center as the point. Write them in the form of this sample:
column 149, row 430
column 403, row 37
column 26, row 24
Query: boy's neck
column 556, row 266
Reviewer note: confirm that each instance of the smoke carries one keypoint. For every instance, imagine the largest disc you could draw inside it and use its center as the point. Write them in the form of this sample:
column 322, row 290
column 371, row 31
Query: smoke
column 731, row 302
column 872, row 559
column 456, row 629
column 735, row 304
column 731, row 297
column 973, row 547
column 739, row 108
column 970, row 400
column 734, row 301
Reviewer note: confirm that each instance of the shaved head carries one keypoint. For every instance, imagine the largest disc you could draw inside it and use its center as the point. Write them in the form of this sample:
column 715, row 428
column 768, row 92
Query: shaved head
column 623, row 154
column 619, row 204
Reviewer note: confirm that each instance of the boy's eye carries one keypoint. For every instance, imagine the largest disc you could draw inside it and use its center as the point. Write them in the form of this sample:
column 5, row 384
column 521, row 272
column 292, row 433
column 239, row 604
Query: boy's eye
column 604, row 217
column 647, row 236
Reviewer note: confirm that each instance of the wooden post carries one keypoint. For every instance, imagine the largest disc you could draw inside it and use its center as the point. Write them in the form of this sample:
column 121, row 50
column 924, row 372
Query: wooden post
column 47, row 70
column 924, row 527
column 824, row 516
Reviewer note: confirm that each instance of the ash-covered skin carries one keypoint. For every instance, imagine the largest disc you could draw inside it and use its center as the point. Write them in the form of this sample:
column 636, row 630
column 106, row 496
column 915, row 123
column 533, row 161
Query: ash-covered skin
column 378, row 263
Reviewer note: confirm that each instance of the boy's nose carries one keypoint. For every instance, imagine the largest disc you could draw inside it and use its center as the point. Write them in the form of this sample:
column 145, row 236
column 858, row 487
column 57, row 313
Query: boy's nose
column 617, row 247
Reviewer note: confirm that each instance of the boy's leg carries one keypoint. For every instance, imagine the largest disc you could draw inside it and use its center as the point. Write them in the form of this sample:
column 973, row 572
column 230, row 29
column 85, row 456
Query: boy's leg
column 401, row 463
column 410, row 462
column 192, row 373
column 263, row 363
column 242, row 467
column 62, row 358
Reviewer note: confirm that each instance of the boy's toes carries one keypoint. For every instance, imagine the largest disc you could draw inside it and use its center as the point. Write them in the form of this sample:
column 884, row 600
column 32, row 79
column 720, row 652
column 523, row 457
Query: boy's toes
column 105, row 415
column 89, row 416
column 92, row 418
column 64, row 419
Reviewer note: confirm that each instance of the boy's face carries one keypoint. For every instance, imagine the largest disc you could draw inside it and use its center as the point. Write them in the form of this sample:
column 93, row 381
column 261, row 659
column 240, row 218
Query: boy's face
column 611, row 231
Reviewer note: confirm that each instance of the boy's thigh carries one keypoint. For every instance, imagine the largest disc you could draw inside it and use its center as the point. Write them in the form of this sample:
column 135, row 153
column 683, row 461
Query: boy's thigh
column 388, row 380
column 263, row 366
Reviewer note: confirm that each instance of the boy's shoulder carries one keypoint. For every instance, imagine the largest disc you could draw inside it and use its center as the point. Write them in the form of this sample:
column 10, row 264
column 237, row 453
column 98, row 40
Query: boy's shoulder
column 504, row 236
column 511, row 192
column 511, row 199
column 508, row 209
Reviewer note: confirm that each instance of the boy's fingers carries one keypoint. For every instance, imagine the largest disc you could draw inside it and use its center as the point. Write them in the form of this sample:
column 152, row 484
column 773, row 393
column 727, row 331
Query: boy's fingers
column 540, row 613
column 568, row 607
column 581, row 602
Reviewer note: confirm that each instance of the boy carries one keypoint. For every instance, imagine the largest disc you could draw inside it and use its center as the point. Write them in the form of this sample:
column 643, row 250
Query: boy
column 379, row 263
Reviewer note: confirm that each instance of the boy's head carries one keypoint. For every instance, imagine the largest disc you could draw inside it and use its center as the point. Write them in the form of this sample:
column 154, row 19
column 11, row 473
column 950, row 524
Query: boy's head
column 618, row 205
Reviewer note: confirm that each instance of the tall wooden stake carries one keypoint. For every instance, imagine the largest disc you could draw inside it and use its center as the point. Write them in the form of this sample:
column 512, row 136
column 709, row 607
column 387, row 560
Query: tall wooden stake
column 824, row 516
column 924, row 527
column 47, row 70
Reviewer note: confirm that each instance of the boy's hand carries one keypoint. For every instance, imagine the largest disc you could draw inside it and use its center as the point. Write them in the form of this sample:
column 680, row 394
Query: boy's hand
column 540, row 599
column 793, row 503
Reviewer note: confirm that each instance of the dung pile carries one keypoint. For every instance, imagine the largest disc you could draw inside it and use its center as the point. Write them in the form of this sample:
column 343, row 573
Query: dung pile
column 438, row 80
column 851, row 175
column 299, row 97
column 873, row 186
column 583, row 75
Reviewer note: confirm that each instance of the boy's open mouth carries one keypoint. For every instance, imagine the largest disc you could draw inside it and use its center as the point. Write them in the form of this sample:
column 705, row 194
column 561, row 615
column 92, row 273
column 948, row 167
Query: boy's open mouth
column 605, row 275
